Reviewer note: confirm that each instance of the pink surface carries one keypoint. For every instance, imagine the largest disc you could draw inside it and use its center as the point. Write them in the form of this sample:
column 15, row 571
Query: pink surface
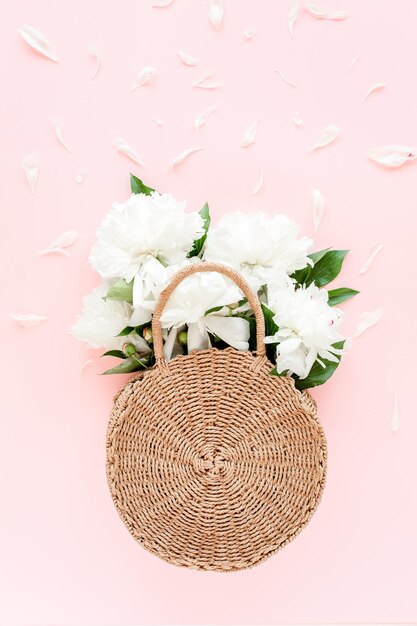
column 65, row 556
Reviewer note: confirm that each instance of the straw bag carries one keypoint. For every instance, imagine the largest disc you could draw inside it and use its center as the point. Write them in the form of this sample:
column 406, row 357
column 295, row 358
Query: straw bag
column 213, row 463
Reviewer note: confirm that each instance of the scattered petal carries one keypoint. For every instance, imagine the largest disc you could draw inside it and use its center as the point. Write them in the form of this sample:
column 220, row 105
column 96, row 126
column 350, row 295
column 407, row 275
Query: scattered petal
column 203, row 84
column 250, row 135
column 376, row 248
column 324, row 14
column 161, row 4
column 144, row 76
column 157, row 121
column 28, row 319
column 186, row 58
column 63, row 241
column 353, row 63
column 259, row 184
column 285, row 79
column 203, row 117
column 123, row 147
column 31, row 169
column 184, row 155
column 292, row 15
column 318, row 208
column 38, row 42
column 84, row 365
column 81, row 174
column 329, row 135
column 249, row 33
column 395, row 418
column 392, row 156
column 96, row 54
column 297, row 119
column 367, row 320
column 215, row 13
column 376, row 87
column 58, row 134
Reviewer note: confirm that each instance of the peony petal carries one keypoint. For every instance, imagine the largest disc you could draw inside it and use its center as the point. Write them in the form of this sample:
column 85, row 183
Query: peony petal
column 215, row 13
column 368, row 319
column 144, row 76
column 392, row 156
column 81, row 174
column 297, row 119
column 184, row 155
column 259, row 184
column 233, row 330
column 250, row 135
column 376, row 87
column 292, row 15
column 329, row 135
column 203, row 117
column 249, row 33
column 31, row 169
column 58, row 134
column 186, row 58
column 28, row 319
column 84, row 365
column 197, row 337
column 395, row 418
column 96, row 54
column 353, row 63
column 38, row 42
column 324, row 14
column 65, row 240
column 376, row 249
column 285, row 79
column 202, row 83
column 170, row 342
column 318, row 208
column 123, row 147
column 161, row 4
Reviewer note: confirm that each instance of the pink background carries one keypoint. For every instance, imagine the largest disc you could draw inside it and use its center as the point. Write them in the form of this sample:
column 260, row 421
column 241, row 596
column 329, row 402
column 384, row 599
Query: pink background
column 65, row 556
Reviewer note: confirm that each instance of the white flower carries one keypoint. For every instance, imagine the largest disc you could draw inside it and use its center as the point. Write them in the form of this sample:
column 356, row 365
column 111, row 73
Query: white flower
column 142, row 229
column 259, row 246
column 308, row 327
column 102, row 320
column 189, row 303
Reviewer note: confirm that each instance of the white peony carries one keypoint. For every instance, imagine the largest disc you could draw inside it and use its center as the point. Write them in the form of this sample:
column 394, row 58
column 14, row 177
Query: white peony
column 143, row 229
column 102, row 320
column 308, row 327
column 189, row 303
column 259, row 246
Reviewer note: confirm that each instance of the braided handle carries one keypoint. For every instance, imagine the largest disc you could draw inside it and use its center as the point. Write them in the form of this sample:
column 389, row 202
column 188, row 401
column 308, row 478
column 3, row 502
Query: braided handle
column 207, row 267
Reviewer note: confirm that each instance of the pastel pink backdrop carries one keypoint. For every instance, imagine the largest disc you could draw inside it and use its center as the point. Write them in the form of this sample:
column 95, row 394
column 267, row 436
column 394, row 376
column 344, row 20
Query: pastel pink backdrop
column 65, row 556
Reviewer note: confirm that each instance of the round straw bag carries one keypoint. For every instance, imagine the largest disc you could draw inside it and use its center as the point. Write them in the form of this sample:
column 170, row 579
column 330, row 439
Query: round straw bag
column 213, row 463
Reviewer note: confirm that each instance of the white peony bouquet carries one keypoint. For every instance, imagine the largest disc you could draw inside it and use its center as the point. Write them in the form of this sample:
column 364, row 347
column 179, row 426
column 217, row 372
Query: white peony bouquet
column 144, row 241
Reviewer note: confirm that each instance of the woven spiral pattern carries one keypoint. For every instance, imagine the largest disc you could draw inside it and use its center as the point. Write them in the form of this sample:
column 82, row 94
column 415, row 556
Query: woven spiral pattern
column 212, row 462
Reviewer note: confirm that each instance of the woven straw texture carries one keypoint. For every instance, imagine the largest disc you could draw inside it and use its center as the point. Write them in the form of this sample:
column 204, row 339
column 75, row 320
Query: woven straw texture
column 213, row 463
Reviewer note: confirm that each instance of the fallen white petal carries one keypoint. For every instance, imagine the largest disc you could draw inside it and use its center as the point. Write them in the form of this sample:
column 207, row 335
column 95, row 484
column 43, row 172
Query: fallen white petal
column 318, row 208
column 28, row 319
column 329, row 135
column 285, row 79
column 353, row 63
column 58, row 134
column 96, row 54
column 203, row 117
column 202, row 83
column 81, row 174
column 161, row 4
column 376, row 248
column 395, row 418
column 38, row 42
column 259, row 184
column 392, row 156
column 65, row 240
column 250, row 135
column 84, row 365
column 215, row 13
column 157, row 121
column 186, row 58
column 184, row 155
column 292, row 15
column 324, row 14
column 367, row 320
column 31, row 169
column 124, row 148
column 297, row 119
column 144, row 76
column 376, row 87
column 249, row 33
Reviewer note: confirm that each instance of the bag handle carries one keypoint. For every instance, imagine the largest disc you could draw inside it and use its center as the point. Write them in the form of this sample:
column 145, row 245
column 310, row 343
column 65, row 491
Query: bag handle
column 207, row 267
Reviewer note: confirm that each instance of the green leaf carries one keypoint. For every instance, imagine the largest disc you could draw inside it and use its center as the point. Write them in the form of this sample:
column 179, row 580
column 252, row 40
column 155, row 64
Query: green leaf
column 270, row 327
column 121, row 290
column 336, row 296
column 126, row 331
column 316, row 256
column 131, row 364
column 215, row 309
column 199, row 243
column 117, row 353
column 137, row 186
column 327, row 265
column 319, row 374
column 274, row 372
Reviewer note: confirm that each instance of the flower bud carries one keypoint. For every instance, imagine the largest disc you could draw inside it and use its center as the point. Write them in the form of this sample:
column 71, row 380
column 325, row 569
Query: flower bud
column 182, row 338
column 129, row 349
column 147, row 334
column 234, row 305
